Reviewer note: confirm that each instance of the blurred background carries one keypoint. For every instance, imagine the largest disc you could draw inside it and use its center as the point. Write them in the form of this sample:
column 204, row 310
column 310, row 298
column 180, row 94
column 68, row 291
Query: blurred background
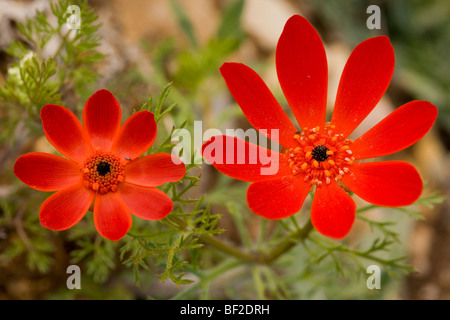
column 149, row 43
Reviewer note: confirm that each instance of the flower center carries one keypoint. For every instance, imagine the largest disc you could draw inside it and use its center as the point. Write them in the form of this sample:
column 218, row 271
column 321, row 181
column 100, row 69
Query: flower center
column 102, row 172
column 321, row 155
column 103, row 168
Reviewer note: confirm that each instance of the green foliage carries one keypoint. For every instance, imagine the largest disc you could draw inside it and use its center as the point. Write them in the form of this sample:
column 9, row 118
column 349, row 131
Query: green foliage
column 230, row 23
column 97, row 255
column 420, row 31
column 28, row 239
column 294, row 262
column 184, row 22
column 196, row 65
column 38, row 78
column 179, row 232
column 420, row 34
column 31, row 84
column 157, row 110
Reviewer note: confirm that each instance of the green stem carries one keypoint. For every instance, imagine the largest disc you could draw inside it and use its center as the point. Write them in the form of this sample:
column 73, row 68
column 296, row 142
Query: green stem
column 207, row 278
column 289, row 243
column 262, row 233
column 228, row 249
column 259, row 283
column 257, row 257
column 366, row 208
column 251, row 257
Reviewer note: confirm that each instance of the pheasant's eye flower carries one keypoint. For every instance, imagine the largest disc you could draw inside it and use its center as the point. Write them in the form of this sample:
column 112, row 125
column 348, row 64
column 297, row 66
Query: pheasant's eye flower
column 102, row 168
column 321, row 155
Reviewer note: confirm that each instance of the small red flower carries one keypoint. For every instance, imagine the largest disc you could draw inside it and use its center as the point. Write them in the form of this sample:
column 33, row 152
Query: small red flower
column 322, row 155
column 102, row 168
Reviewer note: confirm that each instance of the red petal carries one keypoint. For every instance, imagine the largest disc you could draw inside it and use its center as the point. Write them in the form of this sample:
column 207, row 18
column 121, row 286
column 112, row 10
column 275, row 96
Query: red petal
column 364, row 80
column 303, row 72
column 46, row 172
column 65, row 208
column 244, row 161
column 387, row 183
column 332, row 211
column 112, row 217
column 402, row 128
column 101, row 118
column 154, row 170
column 279, row 198
column 257, row 102
column 145, row 202
column 64, row 131
column 135, row 136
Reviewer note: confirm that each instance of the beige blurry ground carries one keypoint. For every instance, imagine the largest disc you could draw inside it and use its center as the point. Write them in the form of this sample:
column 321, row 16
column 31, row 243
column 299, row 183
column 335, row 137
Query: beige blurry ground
column 126, row 23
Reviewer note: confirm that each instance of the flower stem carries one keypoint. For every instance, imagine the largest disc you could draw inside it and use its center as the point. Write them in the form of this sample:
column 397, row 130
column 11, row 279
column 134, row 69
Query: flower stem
column 227, row 248
column 255, row 257
column 289, row 243
column 207, row 278
column 258, row 257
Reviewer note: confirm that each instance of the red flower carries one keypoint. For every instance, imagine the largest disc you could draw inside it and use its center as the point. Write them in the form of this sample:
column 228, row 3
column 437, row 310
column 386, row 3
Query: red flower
column 322, row 155
column 102, row 165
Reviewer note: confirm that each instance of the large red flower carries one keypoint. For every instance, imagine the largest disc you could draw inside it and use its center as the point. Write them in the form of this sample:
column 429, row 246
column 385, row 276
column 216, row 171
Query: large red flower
column 102, row 168
column 322, row 155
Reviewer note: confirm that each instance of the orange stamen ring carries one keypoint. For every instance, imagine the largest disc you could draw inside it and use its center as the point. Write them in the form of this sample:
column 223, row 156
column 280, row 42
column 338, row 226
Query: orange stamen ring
column 321, row 155
column 102, row 172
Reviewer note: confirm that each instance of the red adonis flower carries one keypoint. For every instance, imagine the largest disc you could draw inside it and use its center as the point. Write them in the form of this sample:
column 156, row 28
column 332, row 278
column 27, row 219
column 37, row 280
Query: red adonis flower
column 102, row 168
column 322, row 155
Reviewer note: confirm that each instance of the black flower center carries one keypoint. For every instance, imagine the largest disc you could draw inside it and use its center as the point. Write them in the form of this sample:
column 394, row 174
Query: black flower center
column 319, row 153
column 103, row 168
